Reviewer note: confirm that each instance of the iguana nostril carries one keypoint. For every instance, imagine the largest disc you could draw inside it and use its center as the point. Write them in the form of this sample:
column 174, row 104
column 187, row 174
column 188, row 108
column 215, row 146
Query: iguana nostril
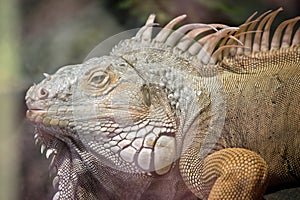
column 43, row 93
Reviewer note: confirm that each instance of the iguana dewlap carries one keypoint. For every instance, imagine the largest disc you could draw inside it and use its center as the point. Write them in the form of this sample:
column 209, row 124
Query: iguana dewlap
column 206, row 111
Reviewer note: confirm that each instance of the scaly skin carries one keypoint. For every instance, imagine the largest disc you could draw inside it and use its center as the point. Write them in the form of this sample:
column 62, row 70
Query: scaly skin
column 167, row 118
column 265, row 122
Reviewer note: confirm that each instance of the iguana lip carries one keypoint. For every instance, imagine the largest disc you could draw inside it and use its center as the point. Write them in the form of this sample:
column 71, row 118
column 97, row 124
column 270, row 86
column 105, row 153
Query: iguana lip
column 36, row 115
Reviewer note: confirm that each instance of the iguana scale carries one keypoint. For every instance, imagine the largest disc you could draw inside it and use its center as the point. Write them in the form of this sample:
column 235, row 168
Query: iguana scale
column 205, row 111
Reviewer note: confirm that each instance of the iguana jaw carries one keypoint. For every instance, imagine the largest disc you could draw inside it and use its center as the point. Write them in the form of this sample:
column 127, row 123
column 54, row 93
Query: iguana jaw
column 56, row 144
column 50, row 137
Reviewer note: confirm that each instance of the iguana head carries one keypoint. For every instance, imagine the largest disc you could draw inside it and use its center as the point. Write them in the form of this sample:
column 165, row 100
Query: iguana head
column 107, row 110
column 107, row 107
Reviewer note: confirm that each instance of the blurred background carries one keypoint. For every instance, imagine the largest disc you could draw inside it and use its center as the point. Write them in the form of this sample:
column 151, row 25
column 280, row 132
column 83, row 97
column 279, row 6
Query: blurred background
column 40, row 36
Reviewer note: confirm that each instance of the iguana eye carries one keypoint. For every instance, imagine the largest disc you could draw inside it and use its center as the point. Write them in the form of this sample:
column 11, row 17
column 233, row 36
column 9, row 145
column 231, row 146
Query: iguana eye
column 99, row 79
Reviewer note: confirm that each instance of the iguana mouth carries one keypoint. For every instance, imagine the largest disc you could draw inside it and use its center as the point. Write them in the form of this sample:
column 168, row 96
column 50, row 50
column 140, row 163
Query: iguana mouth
column 35, row 115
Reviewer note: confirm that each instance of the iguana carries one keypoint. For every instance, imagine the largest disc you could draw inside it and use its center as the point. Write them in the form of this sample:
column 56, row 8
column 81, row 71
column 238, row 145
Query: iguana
column 204, row 111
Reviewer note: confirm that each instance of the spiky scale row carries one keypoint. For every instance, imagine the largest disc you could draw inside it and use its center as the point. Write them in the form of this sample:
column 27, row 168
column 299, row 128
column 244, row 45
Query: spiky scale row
column 259, row 29
column 250, row 37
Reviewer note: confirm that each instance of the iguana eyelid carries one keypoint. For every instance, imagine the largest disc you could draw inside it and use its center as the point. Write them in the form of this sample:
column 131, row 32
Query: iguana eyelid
column 99, row 79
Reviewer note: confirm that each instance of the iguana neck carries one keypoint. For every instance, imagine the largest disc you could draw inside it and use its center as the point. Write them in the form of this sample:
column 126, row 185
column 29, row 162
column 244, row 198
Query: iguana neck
column 198, row 102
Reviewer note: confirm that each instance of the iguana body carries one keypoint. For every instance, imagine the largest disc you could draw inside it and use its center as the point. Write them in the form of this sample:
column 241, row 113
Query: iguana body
column 170, row 118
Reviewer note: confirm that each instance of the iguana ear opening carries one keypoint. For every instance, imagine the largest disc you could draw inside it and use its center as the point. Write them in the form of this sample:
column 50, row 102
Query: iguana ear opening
column 146, row 95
